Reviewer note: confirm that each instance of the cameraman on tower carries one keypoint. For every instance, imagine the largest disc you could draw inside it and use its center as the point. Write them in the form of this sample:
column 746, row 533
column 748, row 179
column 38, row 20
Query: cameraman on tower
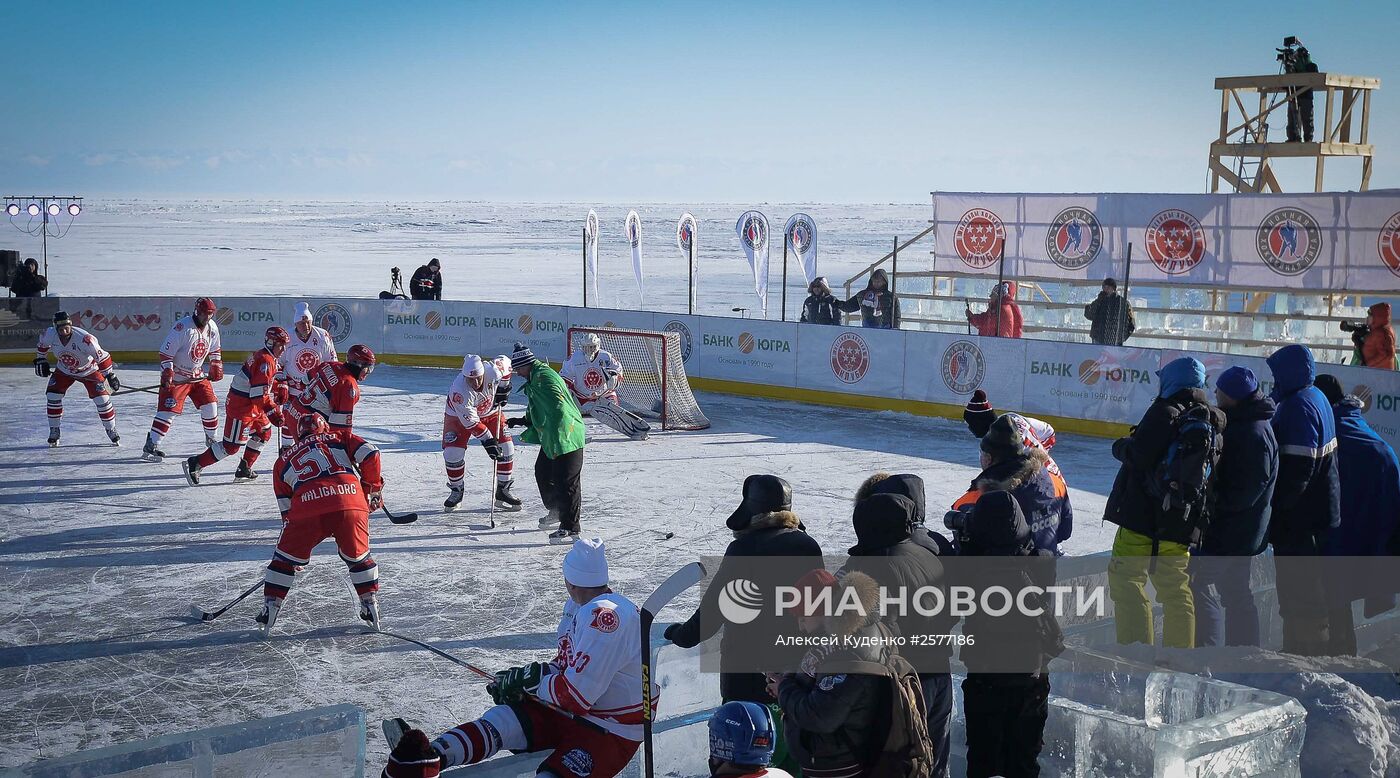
column 1295, row 59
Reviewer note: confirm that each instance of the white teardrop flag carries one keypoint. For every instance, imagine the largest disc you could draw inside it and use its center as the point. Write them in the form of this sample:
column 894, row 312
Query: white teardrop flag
column 590, row 242
column 685, row 241
column 753, row 236
column 633, row 230
column 801, row 232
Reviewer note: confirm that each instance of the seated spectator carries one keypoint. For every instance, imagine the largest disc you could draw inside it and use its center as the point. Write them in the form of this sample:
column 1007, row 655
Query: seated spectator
column 1010, row 465
column 878, row 306
column 27, row 283
column 1378, row 350
column 820, row 307
column 1110, row 316
column 1002, row 318
column 426, row 283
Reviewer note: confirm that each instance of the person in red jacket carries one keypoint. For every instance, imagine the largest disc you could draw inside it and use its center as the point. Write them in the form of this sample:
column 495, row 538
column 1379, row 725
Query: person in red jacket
column 1378, row 350
column 252, row 410
column 326, row 484
column 1002, row 318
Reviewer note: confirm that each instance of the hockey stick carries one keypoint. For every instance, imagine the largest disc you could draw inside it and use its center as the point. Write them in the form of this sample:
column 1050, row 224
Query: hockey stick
column 491, row 474
column 133, row 389
column 404, row 518
column 671, row 588
column 207, row 616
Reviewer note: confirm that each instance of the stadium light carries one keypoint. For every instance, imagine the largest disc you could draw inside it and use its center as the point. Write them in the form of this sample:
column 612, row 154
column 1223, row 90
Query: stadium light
column 53, row 223
column 54, row 210
column 34, row 209
column 74, row 209
column 12, row 209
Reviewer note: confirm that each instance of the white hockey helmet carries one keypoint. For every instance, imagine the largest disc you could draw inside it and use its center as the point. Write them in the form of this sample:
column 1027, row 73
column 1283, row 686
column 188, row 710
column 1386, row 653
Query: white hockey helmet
column 592, row 344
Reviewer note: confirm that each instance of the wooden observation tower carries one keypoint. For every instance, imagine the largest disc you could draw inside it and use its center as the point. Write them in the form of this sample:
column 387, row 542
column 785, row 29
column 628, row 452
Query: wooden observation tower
column 1342, row 115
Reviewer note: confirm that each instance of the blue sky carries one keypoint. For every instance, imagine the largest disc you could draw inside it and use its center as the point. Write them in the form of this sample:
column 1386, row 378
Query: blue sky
column 639, row 102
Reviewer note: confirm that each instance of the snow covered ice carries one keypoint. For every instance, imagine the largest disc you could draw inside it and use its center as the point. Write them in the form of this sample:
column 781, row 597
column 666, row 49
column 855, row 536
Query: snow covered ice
column 102, row 555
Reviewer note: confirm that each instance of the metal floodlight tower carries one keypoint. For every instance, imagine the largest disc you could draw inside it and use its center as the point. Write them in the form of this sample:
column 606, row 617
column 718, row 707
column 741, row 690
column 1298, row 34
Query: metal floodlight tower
column 49, row 211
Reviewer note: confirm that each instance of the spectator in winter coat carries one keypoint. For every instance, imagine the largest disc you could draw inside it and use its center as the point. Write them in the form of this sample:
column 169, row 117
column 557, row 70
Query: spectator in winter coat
column 1370, row 513
column 878, row 306
column 763, row 526
column 832, row 717
column 1378, row 350
column 885, row 551
column 1239, row 521
column 1150, row 542
column 1009, row 465
column 1002, row 318
column 820, row 307
column 26, row 282
column 1110, row 316
column 1007, row 689
column 426, row 283
column 552, row 421
column 1307, row 498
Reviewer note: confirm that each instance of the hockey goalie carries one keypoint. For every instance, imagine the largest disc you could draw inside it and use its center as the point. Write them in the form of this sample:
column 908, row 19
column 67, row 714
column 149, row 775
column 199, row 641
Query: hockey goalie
column 593, row 375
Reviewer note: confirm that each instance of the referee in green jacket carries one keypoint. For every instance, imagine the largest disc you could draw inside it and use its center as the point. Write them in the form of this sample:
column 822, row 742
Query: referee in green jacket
column 553, row 422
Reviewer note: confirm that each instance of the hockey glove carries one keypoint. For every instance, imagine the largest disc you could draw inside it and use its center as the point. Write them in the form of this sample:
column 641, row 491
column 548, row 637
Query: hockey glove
column 376, row 501
column 112, row 382
column 613, row 379
column 516, row 682
column 167, row 378
column 275, row 416
column 502, row 396
column 493, row 448
column 519, row 421
column 281, row 394
column 216, row 371
column 41, row 367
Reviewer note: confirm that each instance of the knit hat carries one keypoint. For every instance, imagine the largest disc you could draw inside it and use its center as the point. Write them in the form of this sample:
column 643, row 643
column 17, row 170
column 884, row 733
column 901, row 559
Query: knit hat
column 811, row 585
column 471, row 365
column 303, row 311
column 1331, row 387
column 61, row 317
column 586, row 564
column 522, row 356
column 979, row 414
column 998, row 524
column 1238, row 383
column 1003, row 440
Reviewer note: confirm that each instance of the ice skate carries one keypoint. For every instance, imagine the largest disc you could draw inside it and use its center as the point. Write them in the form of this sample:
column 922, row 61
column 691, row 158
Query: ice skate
column 192, row 470
column 548, row 520
column 268, row 616
column 506, row 501
column 114, row 437
column 453, row 499
column 53, row 437
column 562, row 537
column 369, row 611
column 244, row 473
column 210, row 441
column 149, row 452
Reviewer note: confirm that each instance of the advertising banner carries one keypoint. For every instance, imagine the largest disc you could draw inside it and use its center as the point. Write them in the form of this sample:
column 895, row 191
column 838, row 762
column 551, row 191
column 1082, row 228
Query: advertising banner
column 349, row 321
column 753, row 237
column 751, row 350
column 801, row 235
column 686, row 237
column 541, row 327
column 590, row 251
column 31, row 316
column 1372, row 224
column 431, row 327
column 1084, row 381
column 125, row 323
column 852, row 360
column 687, row 329
column 633, row 231
column 243, row 321
column 948, row 368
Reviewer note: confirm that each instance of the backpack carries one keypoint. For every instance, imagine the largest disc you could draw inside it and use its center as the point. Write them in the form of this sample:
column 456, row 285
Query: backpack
column 907, row 751
column 1183, row 477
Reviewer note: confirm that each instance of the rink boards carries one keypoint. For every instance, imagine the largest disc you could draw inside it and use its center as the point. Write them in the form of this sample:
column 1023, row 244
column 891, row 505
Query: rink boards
column 1078, row 387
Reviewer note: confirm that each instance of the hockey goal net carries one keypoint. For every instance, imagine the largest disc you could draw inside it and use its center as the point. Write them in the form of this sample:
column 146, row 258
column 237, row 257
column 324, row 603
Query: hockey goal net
column 653, row 374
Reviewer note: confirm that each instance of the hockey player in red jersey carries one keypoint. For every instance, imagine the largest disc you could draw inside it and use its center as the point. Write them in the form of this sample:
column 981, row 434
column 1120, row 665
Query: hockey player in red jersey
column 585, row 704
column 333, row 388
column 81, row 360
column 326, row 484
column 309, row 347
column 474, row 412
column 250, row 411
column 191, row 341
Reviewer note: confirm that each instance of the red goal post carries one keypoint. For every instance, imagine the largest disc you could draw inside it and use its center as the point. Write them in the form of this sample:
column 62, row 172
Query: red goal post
column 653, row 382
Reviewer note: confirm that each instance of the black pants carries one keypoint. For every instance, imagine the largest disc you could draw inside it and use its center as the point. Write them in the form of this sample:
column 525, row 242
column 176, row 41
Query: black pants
column 938, row 698
column 1006, row 716
column 1300, row 112
column 560, row 481
column 1302, row 591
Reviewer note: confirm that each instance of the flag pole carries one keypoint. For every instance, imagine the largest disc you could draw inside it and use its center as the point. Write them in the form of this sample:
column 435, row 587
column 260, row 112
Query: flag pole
column 1001, row 275
column 691, row 295
column 585, row 266
column 785, row 242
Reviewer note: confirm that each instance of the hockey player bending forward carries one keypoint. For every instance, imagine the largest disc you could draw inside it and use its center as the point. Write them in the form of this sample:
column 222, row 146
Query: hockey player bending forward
column 593, row 376
column 309, row 347
column 191, row 341
column 475, row 406
column 586, row 705
column 333, row 388
column 251, row 411
column 80, row 360
column 326, row 486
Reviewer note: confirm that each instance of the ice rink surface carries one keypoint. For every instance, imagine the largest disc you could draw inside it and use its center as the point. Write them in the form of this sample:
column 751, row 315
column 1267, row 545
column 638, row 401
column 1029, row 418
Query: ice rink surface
column 102, row 554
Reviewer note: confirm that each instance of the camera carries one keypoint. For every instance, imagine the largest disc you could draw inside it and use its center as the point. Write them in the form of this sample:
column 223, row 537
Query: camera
column 957, row 522
column 1289, row 54
column 1354, row 326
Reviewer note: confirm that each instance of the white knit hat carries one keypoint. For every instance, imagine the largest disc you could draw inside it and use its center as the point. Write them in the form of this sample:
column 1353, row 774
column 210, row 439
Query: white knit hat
column 586, row 564
column 303, row 311
column 471, row 366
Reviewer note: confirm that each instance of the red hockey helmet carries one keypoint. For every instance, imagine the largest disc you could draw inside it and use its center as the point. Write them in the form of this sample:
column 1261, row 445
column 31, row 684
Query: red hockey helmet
column 362, row 358
column 205, row 306
column 276, row 336
column 312, row 424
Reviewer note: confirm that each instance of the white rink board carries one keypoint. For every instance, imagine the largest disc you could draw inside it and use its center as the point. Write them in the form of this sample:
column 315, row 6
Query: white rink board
column 1070, row 380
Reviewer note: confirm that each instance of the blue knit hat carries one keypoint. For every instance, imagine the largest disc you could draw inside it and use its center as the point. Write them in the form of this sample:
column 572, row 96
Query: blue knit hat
column 1238, row 383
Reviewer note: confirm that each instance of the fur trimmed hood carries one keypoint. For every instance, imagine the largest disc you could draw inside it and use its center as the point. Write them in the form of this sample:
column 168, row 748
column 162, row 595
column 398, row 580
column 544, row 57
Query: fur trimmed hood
column 774, row 519
column 851, row 621
column 867, row 487
column 1008, row 476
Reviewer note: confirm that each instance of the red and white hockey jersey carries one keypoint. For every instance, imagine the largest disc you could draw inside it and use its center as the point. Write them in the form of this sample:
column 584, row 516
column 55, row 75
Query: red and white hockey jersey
column 302, row 356
column 597, row 673
column 81, row 357
column 332, row 392
column 1036, row 433
column 590, row 379
column 187, row 346
column 324, row 474
column 469, row 405
column 252, row 384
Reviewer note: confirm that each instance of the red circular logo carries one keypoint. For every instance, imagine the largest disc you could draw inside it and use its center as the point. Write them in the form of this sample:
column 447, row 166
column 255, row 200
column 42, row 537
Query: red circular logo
column 979, row 238
column 1175, row 241
column 199, row 350
column 593, row 378
column 68, row 360
column 457, row 398
column 306, row 361
column 605, row 620
column 850, row 358
column 1388, row 244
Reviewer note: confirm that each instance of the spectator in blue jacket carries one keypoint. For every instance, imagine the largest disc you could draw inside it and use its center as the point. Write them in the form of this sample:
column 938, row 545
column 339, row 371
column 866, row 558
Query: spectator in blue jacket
column 1307, row 498
column 1009, row 465
column 1370, row 485
column 1239, row 521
